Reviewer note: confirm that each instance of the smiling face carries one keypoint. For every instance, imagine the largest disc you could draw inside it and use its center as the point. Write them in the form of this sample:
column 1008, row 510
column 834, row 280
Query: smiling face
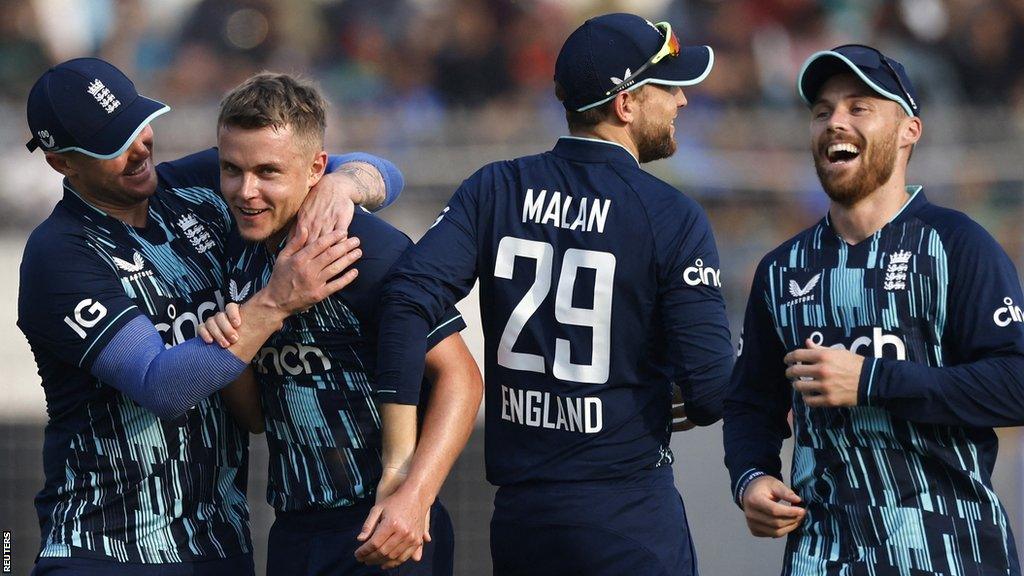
column 120, row 182
column 855, row 138
column 654, row 131
column 265, row 174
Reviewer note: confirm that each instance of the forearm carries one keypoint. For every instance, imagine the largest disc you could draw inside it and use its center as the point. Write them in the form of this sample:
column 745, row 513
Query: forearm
column 261, row 317
column 984, row 393
column 752, row 435
column 701, row 350
column 447, row 426
column 242, row 399
column 398, row 436
column 166, row 381
column 402, row 347
column 377, row 182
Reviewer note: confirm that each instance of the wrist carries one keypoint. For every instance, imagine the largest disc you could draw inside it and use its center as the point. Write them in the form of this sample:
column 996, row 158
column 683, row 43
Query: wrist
column 748, row 478
column 263, row 306
column 418, row 491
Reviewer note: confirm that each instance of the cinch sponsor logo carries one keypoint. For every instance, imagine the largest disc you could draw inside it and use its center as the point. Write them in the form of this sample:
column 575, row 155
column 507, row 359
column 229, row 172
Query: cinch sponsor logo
column 185, row 325
column 87, row 314
column 291, row 359
column 802, row 293
column 1008, row 314
column 874, row 346
column 546, row 410
column 697, row 274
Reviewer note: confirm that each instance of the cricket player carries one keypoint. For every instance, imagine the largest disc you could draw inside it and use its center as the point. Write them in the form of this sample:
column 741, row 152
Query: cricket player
column 599, row 290
column 315, row 377
column 145, row 470
column 893, row 330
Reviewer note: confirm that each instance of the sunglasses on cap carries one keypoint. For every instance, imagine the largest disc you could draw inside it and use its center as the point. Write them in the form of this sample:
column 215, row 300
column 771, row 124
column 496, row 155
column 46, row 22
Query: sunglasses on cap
column 884, row 60
column 671, row 47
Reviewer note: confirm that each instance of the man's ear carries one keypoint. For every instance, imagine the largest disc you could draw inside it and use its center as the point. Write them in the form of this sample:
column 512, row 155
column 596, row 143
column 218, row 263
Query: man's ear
column 61, row 163
column 910, row 130
column 626, row 105
column 317, row 168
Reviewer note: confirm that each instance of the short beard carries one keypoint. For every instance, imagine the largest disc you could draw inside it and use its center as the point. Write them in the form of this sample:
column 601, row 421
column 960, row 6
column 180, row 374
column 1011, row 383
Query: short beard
column 877, row 165
column 654, row 142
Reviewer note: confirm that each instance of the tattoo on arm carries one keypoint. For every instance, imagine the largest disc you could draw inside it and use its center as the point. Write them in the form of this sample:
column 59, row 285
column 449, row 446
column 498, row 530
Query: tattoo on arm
column 368, row 181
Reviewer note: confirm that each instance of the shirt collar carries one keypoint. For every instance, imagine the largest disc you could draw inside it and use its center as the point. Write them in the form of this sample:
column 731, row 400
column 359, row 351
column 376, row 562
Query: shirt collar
column 593, row 150
column 913, row 204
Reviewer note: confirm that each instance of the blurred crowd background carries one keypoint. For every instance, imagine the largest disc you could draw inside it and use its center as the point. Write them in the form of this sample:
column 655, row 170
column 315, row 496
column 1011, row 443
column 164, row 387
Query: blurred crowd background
column 443, row 86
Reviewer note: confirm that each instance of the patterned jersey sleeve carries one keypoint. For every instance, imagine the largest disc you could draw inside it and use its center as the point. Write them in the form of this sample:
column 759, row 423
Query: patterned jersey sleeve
column 424, row 285
column 981, row 382
column 691, row 308
column 71, row 302
column 759, row 397
column 199, row 170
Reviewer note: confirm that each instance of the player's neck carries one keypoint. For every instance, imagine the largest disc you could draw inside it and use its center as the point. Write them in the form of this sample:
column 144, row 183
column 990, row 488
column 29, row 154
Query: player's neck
column 134, row 212
column 860, row 220
column 275, row 241
column 609, row 133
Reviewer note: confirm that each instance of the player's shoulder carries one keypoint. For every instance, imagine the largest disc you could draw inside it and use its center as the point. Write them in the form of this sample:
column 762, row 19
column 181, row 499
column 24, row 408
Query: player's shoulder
column 55, row 238
column 662, row 202
column 782, row 254
column 956, row 230
column 376, row 233
column 495, row 175
column 194, row 178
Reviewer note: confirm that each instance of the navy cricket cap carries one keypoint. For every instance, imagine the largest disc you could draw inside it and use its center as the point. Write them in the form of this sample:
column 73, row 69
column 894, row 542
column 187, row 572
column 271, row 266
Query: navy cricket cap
column 89, row 106
column 881, row 73
column 617, row 52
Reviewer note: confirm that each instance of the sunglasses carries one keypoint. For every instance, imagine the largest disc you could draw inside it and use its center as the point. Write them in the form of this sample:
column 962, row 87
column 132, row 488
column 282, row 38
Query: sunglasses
column 885, row 61
column 671, row 47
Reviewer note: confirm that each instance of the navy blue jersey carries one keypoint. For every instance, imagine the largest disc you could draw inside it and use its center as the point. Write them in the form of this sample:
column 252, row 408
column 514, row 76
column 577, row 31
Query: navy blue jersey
column 316, row 376
column 599, row 288
column 900, row 483
column 121, row 483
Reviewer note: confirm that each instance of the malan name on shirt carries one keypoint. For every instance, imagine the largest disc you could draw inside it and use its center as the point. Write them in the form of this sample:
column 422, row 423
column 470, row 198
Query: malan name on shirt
column 563, row 211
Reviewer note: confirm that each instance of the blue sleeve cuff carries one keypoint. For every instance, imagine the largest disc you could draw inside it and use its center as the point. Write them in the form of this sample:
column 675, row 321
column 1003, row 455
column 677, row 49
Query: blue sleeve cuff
column 451, row 324
column 394, row 181
column 867, row 387
column 744, row 481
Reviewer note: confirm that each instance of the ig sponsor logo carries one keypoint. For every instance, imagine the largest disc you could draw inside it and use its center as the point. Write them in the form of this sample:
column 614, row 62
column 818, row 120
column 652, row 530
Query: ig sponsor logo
column 697, row 275
column 1007, row 314
column 87, row 314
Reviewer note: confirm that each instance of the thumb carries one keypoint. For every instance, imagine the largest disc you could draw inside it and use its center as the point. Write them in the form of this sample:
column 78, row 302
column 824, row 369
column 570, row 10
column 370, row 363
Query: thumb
column 783, row 492
column 370, row 524
column 811, row 344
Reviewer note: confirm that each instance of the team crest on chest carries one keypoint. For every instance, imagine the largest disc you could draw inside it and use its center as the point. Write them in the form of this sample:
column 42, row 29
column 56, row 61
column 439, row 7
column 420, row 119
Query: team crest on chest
column 197, row 234
column 896, row 271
